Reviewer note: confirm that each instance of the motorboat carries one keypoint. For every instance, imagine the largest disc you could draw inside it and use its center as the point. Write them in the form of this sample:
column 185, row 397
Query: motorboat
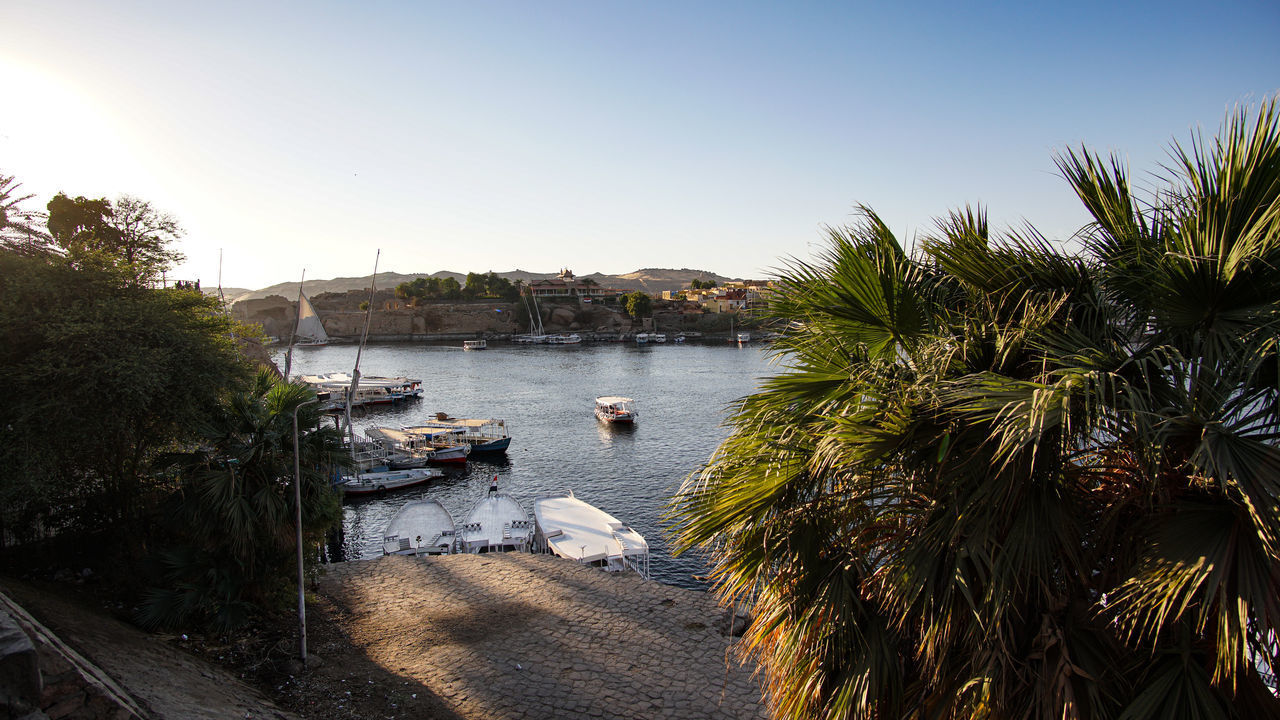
column 615, row 409
column 368, row 483
column 642, row 338
column 484, row 435
column 497, row 523
column 474, row 344
column 372, row 390
column 564, row 339
column 570, row 528
column 434, row 445
column 420, row 527
column 657, row 337
column 744, row 337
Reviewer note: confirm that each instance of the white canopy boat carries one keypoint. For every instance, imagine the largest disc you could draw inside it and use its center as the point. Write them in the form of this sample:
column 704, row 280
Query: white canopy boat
column 484, row 435
column 616, row 409
column 421, row 527
column 570, row 528
column 496, row 524
column 367, row 483
column 474, row 344
column 406, row 446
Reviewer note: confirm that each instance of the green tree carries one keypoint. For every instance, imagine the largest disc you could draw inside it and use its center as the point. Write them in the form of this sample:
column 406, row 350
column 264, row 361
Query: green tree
column 20, row 229
column 100, row 376
column 998, row 480
column 131, row 235
column 637, row 304
column 232, row 516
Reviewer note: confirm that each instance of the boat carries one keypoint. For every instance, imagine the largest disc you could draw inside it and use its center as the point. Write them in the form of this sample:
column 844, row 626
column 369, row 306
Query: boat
column 642, row 338
column 420, row 527
column 310, row 331
column 368, row 483
column 484, row 435
column 430, row 445
column 563, row 339
column 570, row 528
column 615, row 409
column 744, row 337
column 474, row 344
column 658, row 337
column 496, row 524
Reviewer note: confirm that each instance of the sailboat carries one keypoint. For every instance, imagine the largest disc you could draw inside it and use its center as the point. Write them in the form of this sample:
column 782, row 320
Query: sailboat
column 310, row 330
column 536, row 334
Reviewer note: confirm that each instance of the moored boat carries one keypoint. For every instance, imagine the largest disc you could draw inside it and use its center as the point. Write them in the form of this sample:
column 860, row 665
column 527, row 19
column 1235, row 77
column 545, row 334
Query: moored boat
column 564, row 339
column 743, row 337
column 484, row 435
column 497, row 523
column 420, row 527
column 368, row 483
column 435, row 446
column 615, row 409
column 570, row 528
column 474, row 344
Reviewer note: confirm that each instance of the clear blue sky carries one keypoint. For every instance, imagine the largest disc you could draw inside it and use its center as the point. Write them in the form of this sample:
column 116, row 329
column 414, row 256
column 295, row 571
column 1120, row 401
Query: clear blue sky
column 603, row 136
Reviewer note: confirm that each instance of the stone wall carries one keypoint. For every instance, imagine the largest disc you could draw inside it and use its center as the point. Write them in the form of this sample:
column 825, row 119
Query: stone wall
column 41, row 677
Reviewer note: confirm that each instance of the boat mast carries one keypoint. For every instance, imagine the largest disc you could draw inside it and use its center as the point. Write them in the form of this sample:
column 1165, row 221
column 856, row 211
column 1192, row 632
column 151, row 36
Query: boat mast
column 288, row 356
column 355, row 373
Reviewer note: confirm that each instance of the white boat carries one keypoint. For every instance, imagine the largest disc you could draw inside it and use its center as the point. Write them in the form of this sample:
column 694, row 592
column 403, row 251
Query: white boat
column 367, row 483
column 570, row 528
column 310, row 331
column 436, row 446
column 372, row 390
column 496, row 524
column 642, row 338
column 744, row 337
column 421, row 527
column 474, row 344
column 563, row 339
column 615, row 409
column 658, row 337
column 484, row 435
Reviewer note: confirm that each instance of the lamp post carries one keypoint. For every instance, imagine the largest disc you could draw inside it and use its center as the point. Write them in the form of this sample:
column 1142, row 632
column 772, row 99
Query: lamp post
column 297, row 502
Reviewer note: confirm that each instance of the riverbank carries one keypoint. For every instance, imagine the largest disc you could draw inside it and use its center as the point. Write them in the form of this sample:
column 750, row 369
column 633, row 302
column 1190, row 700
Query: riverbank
column 465, row 636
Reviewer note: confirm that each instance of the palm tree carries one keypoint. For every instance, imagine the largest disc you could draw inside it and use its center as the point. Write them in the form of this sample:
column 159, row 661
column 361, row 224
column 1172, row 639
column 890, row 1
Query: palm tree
column 995, row 479
column 233, row 514
column 19, row 228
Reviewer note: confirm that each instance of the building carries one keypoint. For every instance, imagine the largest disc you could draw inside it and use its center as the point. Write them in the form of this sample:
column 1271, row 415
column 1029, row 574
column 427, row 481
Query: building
column 566, row 285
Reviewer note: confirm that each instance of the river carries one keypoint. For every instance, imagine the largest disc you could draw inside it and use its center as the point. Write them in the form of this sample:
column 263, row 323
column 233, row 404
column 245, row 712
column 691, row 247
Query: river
column 546, row 394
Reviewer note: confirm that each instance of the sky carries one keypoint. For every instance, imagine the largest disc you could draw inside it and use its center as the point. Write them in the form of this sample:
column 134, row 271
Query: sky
column 602, row 136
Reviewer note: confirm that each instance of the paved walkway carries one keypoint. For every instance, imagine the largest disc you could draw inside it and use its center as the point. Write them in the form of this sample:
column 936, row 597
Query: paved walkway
column 534, row 636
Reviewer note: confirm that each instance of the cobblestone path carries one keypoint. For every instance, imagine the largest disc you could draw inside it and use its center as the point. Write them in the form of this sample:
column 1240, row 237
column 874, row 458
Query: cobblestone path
column 534, row 636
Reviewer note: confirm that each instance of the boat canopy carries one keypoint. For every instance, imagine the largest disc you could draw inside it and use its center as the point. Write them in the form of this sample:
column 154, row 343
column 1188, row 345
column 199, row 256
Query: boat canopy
column 574, row 529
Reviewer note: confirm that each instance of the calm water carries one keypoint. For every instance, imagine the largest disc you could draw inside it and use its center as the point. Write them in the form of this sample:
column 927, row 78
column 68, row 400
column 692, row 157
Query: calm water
column 546, row 395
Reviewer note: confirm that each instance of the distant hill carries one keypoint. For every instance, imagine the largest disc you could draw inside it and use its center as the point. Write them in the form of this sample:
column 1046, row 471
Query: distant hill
column 650, row 280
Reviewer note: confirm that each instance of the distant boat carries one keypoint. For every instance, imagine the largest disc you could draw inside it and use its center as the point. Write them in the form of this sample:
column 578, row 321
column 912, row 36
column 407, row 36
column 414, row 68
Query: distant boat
column 310, row 330
column 421, row 527
column 496, row 524
column 642, row 338
column 563, row 339
column 744, row 337
column 570, row 528
column 615, row 409
column 658, row 337
column 474, row 344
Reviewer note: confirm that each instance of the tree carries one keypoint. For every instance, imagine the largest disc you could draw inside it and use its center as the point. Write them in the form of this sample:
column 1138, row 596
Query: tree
column 20, row 228
column 100, row 377
column 1000, row 480
column 637, row 304
column 232, row 516
column 698, row 284
column 132, row 236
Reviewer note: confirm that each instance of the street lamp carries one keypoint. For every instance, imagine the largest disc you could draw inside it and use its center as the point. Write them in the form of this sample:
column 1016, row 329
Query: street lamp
column 297, row 501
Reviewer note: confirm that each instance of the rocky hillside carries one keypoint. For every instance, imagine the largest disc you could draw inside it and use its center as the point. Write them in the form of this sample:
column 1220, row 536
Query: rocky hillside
column 650, row 280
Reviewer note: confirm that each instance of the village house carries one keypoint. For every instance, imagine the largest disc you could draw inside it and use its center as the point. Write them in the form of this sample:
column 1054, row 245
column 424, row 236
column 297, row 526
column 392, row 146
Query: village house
column 566, row 285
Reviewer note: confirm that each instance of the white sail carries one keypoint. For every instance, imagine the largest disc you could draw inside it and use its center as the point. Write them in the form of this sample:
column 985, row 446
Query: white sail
column 310, row 330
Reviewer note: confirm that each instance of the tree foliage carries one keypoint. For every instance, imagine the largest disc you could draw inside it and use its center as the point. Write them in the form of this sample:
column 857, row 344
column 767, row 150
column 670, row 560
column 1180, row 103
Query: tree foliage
column 99, row 377
column 232, row 515
column 20, row 228
column 637, row 304
column 997, row 480
column 130, row 235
